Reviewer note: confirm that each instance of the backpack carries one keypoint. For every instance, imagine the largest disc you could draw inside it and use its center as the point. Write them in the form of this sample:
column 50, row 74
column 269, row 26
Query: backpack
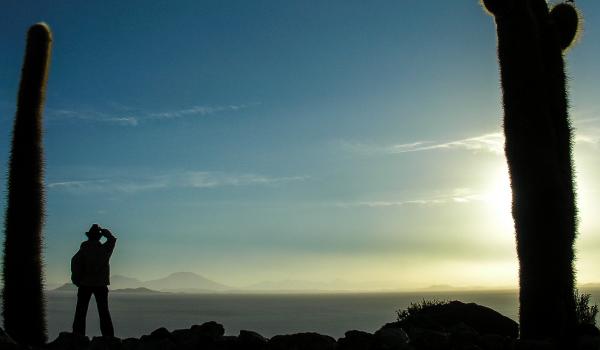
column 77, row 268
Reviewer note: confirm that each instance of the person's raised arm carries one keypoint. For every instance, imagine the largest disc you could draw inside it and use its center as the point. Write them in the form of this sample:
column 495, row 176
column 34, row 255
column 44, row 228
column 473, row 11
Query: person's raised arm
column 111, row 240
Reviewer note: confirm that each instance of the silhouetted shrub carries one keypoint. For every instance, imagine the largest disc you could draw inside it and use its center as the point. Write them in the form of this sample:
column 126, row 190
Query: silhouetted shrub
column 586, row 314
column 450, row 317
column 416, row 308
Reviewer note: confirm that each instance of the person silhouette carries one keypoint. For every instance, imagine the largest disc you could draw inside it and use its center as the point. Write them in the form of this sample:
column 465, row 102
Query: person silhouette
column 90, row 272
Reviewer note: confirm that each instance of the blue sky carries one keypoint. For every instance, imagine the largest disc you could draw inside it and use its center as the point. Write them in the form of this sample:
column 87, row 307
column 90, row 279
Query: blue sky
column 305, row 140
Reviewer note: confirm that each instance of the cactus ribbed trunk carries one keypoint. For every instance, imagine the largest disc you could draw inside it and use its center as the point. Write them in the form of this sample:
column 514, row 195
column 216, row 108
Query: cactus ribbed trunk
column 531, row 40
column 23, row 296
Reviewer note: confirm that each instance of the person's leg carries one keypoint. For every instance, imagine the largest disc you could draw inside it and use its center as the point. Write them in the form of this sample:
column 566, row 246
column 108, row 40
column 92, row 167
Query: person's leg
column 106, row 326
column 83, row 299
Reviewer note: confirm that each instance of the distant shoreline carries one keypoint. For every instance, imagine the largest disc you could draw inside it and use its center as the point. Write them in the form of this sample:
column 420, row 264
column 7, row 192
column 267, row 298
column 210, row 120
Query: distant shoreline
column 306, row 292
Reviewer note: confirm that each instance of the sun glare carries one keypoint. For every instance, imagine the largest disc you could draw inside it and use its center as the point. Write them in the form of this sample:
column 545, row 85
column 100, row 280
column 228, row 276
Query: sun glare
column 499, row 197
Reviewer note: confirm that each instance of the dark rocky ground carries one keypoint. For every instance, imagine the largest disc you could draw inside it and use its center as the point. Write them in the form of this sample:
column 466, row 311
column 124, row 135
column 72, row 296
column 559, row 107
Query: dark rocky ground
column 452, row 326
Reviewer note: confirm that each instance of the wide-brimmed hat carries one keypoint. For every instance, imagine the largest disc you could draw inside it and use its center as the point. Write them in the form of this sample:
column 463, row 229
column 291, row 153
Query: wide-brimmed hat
column 93, row 231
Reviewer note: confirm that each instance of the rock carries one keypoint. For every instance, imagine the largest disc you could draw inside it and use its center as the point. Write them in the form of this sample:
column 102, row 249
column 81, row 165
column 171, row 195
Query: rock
column 211, row 329
column 205, row 336
column 493, row 342
column 249, row 340
column 69, row 341
column 391, row 339
column 441, row 317
column 587, row 329
column 186, row 339
column 156, row 342
column 467, row 347
column 462, row 334
column 227, row 342
column 161, row 333
column 587, row 342
column 429, row 339
column 130, row 344
column 202, row 336
column 522, row 344
column 105, row 343
column 302, row 341
column 357, row 340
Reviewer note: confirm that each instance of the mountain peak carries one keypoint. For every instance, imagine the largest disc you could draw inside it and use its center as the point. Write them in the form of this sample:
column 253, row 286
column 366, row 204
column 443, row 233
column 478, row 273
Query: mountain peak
column 184, row 274
column 176, row 281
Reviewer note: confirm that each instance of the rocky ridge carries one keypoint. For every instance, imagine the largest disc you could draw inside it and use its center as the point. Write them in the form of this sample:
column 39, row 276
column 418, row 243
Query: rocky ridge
column 454, row 326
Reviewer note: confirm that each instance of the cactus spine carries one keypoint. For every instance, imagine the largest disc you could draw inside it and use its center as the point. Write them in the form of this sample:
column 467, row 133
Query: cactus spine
column 531, row 41
column 22, row 297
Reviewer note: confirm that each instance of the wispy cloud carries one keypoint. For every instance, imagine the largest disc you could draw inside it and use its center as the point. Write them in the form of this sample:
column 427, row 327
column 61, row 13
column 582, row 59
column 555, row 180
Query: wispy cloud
column 492, row 142
column 586, row 133
column 197, row 110
column 588, row 136
column 587, row 128
column 185, row 179
column 133, row 117
column 458, row 195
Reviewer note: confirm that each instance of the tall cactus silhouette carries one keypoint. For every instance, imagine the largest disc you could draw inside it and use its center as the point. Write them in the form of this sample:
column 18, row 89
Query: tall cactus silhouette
column 22, row 297
column 531, row 43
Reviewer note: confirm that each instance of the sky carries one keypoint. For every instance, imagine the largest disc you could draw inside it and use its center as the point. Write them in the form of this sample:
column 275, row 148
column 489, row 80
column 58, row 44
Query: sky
column 252, row 141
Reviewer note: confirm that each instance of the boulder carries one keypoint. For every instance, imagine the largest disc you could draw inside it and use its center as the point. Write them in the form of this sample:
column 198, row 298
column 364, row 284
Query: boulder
column 69, row 341
column 588, row 343
column 302, row 341
column 494, row 342
column 587, row 329
column 462, row 335
column 391, row 339
column 527, row 344
column 210, row 329
column 227, row 342
column 161, row 333
column 105, row 343
column 441, row 317
column 429, row 339
column 249, row 340
column 130, row 344
column 204, row 336
column 157, row 341
column 357, row 340
column 186, row 339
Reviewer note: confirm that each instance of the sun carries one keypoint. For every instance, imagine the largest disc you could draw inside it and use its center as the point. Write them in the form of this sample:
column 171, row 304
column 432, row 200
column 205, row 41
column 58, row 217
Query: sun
column 498, row 197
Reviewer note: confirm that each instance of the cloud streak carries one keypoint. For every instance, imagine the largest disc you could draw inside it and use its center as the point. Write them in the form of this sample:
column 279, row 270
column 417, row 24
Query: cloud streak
column 196, row 110
column 487, row 143
column 457, row 196
column 134, row 118
column 490, row 143
column 591, row 136
column 187, row 179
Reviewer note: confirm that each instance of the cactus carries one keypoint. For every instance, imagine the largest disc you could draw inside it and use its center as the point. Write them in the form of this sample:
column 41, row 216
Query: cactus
column 531, row 43
column 22, row 297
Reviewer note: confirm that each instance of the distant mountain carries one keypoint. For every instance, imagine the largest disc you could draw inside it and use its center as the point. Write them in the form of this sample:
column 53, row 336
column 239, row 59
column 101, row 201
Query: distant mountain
column 178, row 282
column 122, row 282
column 52, row 286
column 140, row 290
column 185, row 282
column 440, row 288
column 70, row 287
column 67, row 287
